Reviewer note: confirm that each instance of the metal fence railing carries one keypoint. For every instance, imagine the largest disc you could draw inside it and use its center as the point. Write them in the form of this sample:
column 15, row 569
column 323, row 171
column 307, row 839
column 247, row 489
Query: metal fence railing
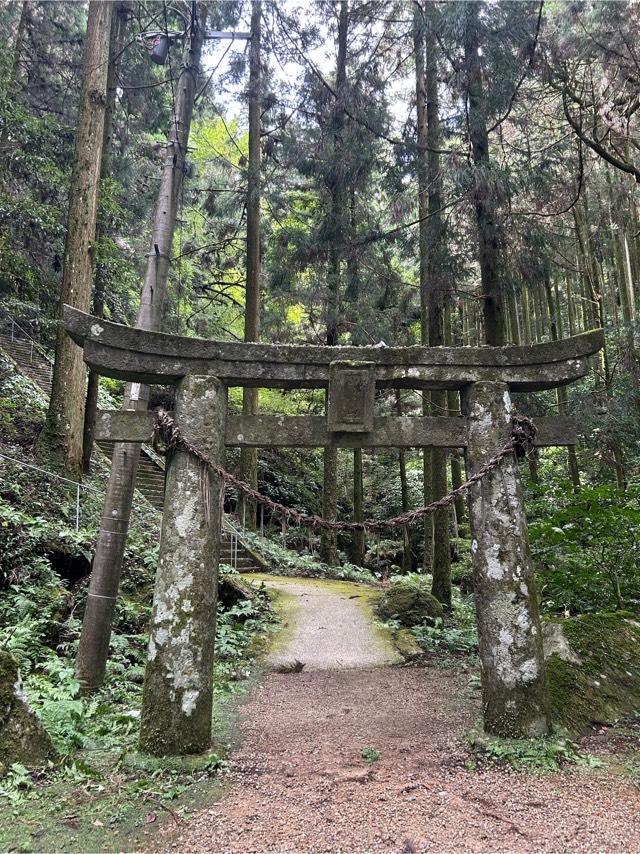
column 228, row 526
column 79, row 488
column 16, row 332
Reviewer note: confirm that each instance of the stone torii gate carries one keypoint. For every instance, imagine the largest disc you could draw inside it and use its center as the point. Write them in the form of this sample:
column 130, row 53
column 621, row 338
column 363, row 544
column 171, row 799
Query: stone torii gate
column 177, row 699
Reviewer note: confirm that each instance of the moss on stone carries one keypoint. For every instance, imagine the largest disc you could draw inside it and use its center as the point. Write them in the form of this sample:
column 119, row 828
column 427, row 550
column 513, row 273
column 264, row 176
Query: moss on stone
column 408, row 603
column 597, row 678
column 22, row 736
column 405, row 642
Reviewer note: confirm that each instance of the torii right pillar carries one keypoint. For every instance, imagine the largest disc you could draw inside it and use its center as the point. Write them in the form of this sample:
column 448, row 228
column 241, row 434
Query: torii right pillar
column 514, row 688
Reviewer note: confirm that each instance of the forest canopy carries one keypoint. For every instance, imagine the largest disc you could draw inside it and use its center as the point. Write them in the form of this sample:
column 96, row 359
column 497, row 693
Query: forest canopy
column 441, row 174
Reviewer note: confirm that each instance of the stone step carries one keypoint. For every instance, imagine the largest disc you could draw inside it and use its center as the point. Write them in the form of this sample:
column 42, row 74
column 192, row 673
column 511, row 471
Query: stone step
column 149, row 478
column 30, row 362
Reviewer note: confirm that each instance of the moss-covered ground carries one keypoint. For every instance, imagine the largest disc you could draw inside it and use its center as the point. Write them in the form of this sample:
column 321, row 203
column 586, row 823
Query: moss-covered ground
column 603, row 684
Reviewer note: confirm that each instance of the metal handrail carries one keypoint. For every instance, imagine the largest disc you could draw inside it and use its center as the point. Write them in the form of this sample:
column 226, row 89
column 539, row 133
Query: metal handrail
column 228, row 525
column 78, row 485
column 34, row 344
column 146, row 449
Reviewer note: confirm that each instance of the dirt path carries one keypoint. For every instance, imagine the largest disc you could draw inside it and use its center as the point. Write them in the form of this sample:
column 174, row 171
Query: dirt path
column 299, row 783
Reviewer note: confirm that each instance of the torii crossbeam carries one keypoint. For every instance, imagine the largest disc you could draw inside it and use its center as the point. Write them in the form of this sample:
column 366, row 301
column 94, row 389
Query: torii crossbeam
column 177, row 701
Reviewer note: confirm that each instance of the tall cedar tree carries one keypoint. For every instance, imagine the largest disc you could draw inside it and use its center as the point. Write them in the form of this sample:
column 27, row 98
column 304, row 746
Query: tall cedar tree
column 118, row 28
column 249, row 456
column 485, row 207
column 62, row 435
column 328, row 541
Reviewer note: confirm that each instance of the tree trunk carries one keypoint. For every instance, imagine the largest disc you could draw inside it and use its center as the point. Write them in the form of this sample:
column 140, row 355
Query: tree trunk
column 249, row 456
column 328, row 543
column 358, row 507
column 571, row 315
column 17, row 69
column 404, row 496
column 107, row 564
column 456, row 463
column 437, row 290
column 62, row 435
column 486, row 218
column 116, row 41
column 561, row 392
column 419, row 50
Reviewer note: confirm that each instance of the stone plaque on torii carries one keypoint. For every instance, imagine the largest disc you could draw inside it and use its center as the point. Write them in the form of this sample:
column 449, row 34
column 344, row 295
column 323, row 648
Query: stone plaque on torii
column 177, row 699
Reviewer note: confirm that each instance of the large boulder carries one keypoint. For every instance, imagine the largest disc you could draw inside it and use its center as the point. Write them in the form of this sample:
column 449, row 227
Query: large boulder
column 593, row 669
column 410, row 603
column 22, row 736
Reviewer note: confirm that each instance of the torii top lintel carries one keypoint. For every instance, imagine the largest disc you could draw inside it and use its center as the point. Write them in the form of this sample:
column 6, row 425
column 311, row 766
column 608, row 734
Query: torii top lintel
column 127, row 353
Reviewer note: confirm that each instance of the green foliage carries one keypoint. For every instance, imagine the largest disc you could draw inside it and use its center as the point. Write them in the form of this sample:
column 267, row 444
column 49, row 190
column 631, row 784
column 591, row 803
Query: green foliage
column 15, row 783
column 370, row 755
column 446, row 638
column 527, row 754
column 286, row 561
column 453, row 634
column 53, row 694
column 587, row 546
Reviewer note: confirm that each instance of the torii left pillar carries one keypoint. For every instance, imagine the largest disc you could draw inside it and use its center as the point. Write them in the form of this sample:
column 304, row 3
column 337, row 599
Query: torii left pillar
column 178, row 688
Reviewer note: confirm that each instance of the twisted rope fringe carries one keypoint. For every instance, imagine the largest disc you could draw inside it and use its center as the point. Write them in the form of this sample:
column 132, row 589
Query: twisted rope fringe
column 165, row 431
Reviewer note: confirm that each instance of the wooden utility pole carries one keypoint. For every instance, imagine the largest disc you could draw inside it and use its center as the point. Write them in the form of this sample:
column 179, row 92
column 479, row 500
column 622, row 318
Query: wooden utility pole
column 249, row 456
column 107, row 564
column 116, row 42
column 62, row 435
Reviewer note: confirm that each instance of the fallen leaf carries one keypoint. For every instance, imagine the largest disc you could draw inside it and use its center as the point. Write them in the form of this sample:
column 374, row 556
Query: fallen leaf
column 98, row 823
column 151, row 817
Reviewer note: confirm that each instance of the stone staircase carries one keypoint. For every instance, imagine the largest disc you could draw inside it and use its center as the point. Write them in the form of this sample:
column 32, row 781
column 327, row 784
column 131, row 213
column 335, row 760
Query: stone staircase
column 245, row 561
column 150, row 478
column 31, row 362
column 35, row 365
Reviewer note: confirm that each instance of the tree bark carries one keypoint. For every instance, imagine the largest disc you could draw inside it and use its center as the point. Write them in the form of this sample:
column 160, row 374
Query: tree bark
column 358, row 507
column 437, row 296
column 116, row 41
column 453, row 404
column 107, row 564
column 419, row 50
column 62, row 435
column 328, row 542
column 486, row 215
column 561, row 392
column 249, row 456
column 404, row 496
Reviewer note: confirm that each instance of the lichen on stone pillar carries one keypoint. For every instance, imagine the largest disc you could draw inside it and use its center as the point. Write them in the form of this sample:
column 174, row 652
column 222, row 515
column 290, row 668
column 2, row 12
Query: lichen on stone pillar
column 178, row 690
column 514, row 688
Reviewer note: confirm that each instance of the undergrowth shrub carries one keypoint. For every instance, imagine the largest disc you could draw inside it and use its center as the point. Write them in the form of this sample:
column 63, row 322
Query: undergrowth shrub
column 586, row 545
column 285, row 561
column 548, row 753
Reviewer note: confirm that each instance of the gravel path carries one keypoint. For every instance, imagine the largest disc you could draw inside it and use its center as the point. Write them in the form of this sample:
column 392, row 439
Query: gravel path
column 298, row 782
column 330, row 627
